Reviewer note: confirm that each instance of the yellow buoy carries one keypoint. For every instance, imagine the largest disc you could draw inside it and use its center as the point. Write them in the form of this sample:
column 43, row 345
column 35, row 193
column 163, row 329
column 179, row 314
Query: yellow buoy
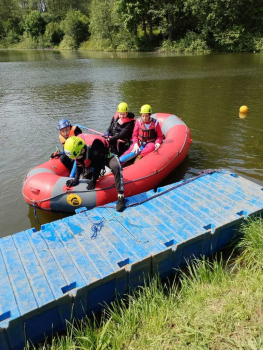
column 243, row 109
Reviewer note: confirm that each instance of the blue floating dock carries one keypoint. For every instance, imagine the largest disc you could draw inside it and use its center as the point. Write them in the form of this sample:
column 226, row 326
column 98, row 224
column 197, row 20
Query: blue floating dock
column 71, row 267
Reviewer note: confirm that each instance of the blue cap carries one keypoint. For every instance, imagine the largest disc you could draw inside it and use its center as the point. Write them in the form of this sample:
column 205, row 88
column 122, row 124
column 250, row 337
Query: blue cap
column 63, row 123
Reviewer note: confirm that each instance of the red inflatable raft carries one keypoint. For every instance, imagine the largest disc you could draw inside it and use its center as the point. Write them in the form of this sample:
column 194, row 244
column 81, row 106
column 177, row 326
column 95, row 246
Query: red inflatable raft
column 45, row 186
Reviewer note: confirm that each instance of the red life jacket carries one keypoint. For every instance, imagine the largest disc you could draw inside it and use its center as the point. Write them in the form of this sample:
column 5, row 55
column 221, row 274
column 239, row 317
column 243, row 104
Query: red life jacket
column 149, row 135
column 71, row 133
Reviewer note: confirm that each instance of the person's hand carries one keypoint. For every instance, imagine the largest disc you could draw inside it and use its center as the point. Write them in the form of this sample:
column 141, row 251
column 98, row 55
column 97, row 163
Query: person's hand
column 107, row 136
column 72, row 182
column 157, row 146
column 136, row 148
column 54, row 155
column 91, row 186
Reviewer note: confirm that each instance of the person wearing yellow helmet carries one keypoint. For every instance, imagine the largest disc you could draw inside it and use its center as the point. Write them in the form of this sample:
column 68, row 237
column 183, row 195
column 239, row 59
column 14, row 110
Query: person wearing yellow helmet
column 91, row 160
column 120, row 130
column 147, row 131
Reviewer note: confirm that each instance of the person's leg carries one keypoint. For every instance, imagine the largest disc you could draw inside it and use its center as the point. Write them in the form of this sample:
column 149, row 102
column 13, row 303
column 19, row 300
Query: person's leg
column 129, row 150
column 114, row 164
column 65, row 160
column 150, row 147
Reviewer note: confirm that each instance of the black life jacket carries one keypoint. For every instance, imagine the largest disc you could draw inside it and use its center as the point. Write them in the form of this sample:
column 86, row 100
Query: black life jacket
column 116, row 127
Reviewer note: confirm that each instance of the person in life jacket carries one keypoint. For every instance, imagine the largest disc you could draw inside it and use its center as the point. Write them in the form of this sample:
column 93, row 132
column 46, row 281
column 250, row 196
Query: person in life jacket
column 147, row 131
column 120, row 130
column 66, row 130
column 91, row 160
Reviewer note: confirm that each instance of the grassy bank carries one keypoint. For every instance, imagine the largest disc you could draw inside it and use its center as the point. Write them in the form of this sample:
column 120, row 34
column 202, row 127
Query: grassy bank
column 213, row 304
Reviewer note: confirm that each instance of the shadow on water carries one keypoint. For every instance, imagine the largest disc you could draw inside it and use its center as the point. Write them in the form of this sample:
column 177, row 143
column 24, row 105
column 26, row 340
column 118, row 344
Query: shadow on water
column 40, row 217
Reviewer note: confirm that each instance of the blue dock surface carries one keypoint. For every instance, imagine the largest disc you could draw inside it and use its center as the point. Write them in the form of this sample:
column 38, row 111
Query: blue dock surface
column 71, row 267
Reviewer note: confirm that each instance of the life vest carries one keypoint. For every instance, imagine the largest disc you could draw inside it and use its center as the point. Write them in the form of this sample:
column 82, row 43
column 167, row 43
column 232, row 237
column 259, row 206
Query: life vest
column 149, row 135
column 117, row 128
column 71, row 133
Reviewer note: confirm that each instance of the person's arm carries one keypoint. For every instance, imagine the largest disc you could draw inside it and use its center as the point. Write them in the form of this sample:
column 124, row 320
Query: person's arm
column 159, row 134
column 95, row 176
column 75, row 181
column 135, row 132
column 109, row 130
column 78, row 131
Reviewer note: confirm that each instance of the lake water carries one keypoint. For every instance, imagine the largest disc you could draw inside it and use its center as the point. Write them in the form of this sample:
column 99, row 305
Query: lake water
column 38, row 88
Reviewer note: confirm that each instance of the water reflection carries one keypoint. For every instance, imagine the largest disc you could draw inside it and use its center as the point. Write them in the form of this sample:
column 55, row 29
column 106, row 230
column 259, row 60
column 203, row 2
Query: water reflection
column 51, row 55
column 242, row 115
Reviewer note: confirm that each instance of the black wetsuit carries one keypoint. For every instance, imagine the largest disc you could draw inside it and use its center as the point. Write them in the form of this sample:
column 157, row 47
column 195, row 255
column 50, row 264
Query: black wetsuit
column 66, row 160
column 98, row 155
column 122, row 132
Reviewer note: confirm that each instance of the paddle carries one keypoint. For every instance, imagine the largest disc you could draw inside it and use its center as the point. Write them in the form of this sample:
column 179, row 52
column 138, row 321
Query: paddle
column 73, row 170
column 89, row 129
column 131, row 155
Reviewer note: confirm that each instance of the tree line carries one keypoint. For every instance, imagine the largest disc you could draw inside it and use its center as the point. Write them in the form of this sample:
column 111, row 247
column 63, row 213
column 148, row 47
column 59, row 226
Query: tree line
column 123, row 25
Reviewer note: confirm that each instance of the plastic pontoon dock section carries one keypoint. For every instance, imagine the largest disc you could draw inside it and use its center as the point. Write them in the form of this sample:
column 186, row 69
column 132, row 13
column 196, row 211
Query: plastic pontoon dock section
column 73, row 266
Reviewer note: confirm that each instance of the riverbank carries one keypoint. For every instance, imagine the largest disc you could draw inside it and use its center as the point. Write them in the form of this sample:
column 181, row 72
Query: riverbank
column 214, row 304
column 192, row 43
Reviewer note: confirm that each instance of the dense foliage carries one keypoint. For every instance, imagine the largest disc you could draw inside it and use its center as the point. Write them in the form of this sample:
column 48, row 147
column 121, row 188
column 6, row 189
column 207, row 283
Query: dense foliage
column 177, row 25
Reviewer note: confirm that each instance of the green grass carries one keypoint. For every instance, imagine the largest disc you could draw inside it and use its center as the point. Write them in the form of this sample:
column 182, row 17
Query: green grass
column 251, row 245
column 212, row 305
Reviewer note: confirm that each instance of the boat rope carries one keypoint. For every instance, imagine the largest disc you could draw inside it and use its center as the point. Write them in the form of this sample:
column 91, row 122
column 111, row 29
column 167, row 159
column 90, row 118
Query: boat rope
column 200, row 174
column 35, row 212
column 109, row 187
column 96, row 227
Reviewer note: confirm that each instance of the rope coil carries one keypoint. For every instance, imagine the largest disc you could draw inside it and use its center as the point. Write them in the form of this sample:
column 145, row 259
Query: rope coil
column 96, row 227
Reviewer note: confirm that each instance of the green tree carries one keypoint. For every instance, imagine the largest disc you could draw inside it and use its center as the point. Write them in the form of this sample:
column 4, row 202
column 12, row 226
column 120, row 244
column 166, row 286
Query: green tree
column 53, row 34
column 59, row 8
column 175, row 20
column 145, row 14
column 76, row 25
column 103, row 21
column 224, row 22
column 35, row 24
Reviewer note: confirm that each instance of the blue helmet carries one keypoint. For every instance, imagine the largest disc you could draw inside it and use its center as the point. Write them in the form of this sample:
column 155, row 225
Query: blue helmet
column 63, row 123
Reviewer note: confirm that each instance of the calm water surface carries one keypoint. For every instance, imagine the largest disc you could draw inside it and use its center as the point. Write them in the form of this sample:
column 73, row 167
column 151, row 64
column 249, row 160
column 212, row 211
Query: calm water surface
column 38, row 88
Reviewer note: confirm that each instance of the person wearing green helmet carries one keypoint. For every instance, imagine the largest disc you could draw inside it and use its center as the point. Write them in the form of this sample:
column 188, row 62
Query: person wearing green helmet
column 147, row 131
column 120, row 130
column 91, row 160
